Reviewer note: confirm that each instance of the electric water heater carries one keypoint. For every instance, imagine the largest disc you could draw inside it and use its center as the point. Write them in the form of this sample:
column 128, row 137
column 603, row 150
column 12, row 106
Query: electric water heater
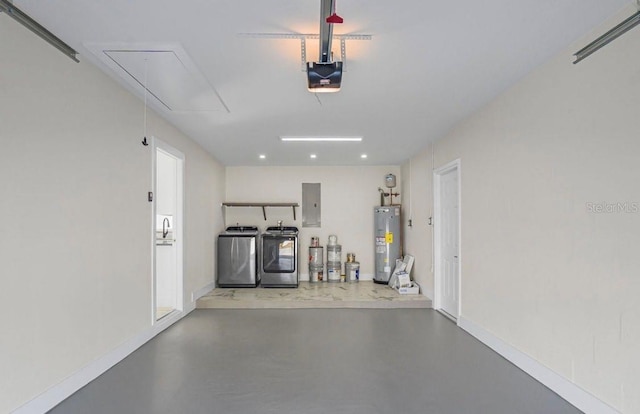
column 387, row 241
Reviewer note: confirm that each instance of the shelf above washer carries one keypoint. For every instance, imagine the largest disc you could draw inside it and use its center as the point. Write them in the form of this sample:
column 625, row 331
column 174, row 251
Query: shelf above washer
column 263, row 206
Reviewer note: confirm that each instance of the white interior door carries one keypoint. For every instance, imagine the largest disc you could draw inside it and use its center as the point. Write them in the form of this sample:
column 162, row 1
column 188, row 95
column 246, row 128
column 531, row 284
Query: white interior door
column 448, row 240
column 168, row 200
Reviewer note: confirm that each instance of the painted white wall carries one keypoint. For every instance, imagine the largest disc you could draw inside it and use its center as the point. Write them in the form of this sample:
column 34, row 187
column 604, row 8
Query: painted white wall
column 540, row 270
column 349, row 195
column 417, row 194
column 76, row 232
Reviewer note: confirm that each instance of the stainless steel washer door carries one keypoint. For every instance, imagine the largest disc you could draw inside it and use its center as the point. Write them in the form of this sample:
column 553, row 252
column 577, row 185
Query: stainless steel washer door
column 237, row 265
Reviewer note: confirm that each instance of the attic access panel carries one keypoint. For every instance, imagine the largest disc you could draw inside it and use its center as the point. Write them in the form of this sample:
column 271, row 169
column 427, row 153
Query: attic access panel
column 168, row 73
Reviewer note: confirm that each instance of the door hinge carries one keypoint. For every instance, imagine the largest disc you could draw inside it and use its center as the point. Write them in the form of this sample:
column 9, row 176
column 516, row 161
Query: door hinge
column 150, row 196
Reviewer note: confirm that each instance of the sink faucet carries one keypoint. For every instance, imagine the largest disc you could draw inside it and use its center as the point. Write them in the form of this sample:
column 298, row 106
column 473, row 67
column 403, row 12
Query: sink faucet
column 165, row 227
column 280, row 223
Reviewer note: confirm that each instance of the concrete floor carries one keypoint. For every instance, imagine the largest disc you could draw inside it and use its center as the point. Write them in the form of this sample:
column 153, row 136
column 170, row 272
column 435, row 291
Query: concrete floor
column 314, row 361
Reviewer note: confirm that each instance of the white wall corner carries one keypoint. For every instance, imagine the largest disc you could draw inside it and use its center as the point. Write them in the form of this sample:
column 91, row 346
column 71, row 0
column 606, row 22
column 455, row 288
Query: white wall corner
column 61, row 391
column 198, row 293
column 566, row 389
column 428, row 292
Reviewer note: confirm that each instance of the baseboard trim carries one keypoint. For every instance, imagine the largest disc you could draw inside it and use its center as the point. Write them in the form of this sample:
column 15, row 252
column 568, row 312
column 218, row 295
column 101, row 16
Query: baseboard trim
column 198, row 293
column 427, row 292
column 566, row 389
column 304, row 277
column 58, row 393
column 366, row 277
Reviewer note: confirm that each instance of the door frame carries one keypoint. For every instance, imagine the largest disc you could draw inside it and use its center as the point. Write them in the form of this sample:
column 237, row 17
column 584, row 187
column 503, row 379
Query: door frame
column 158, row 144
column 437, row 186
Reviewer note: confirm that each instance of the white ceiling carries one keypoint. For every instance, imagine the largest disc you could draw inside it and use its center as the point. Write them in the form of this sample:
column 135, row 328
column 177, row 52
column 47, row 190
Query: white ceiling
column 428, row 65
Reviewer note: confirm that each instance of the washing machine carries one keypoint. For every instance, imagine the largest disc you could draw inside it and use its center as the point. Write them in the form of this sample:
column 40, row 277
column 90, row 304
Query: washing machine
column 237, row 264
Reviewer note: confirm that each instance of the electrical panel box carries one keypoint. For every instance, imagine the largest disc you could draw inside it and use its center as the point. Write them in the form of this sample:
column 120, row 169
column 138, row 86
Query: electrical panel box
column 311, row 197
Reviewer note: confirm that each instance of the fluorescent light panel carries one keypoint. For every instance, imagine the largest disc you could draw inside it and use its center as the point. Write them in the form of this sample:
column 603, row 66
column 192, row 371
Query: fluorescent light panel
column 321, row 139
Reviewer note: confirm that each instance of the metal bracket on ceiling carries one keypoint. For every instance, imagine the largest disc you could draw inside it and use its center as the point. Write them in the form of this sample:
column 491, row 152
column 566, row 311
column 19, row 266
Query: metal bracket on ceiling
column 303, row 42
column 303, row 53
column 343, row 53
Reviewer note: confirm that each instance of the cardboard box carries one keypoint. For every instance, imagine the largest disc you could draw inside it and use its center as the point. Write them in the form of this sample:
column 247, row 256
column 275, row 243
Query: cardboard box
column 414, row 289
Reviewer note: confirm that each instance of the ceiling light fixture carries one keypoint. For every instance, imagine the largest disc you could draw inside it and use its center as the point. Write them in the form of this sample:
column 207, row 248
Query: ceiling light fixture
column 313, row 156
column 22, row 18
column 363, row 156
column 321, row 139
column 262, row 156
column 608, row 37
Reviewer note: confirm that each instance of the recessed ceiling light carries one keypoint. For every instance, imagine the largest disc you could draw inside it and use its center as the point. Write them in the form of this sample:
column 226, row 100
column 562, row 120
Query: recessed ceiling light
column 363, row 156
column 320, row 139
column 262, row 156
column 312, row 156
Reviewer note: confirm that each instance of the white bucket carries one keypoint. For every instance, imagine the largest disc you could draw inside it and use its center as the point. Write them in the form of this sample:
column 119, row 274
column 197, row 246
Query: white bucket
column 316, row 273
column 315, row 256
column 333, row 273
column 334, row 253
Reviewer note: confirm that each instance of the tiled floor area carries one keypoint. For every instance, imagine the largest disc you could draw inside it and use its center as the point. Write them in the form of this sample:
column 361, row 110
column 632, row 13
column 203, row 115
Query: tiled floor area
column 364, row 294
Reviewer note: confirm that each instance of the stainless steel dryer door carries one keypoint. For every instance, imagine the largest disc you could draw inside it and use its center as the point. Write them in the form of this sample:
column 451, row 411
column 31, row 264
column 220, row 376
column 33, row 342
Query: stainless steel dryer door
column 279, row 257
column 237, row 261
